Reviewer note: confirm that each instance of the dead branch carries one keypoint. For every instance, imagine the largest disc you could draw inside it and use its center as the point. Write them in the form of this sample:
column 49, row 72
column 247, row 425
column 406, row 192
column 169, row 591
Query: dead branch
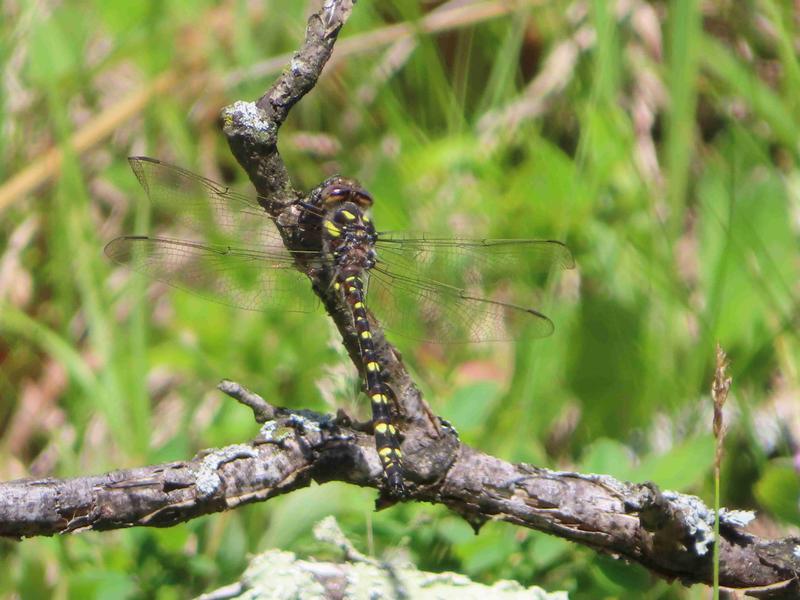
column 669, row 533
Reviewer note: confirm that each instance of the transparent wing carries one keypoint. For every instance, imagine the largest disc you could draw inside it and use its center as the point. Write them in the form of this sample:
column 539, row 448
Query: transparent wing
column 193, row 206
column 224, row 246
column 243, row 277
column 444, row 254
column 211, row 241
column 455, row 290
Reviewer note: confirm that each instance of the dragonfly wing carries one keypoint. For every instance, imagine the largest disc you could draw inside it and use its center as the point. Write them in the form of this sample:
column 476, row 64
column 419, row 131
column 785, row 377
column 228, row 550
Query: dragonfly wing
column 463, row 290
column 243, row 277
column 446, row 314
column 191, row 205
column 514, row 255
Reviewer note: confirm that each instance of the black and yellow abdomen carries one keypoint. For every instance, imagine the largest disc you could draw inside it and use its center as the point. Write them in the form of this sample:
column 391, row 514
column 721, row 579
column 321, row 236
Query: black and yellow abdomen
column 348, row 240
column 386, row 435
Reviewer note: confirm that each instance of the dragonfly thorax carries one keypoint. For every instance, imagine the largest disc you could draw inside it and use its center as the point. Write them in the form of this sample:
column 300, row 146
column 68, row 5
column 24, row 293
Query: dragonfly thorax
column 349, row 238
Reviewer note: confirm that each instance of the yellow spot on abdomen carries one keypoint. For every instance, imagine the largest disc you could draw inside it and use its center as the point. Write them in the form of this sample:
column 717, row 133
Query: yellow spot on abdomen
column 385, row 428
column 358, row 305
column 373, row 366
column 379, row 398
column 366, row 335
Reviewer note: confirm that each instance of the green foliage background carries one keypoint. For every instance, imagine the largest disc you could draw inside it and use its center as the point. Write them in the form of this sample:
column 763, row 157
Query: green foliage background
column 664, row 153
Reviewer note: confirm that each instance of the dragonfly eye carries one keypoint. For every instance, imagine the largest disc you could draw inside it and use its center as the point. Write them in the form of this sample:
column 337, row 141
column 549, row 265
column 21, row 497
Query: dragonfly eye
column 362, row 198
column 341, row 189
column 334, row 196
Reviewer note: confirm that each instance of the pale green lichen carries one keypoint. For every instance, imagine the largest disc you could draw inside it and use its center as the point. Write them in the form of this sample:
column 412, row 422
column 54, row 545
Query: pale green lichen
column 278, row 575
column 274, row 575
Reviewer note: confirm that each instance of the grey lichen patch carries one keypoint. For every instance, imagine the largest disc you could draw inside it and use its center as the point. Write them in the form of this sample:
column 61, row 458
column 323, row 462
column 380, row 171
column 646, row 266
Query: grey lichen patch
column 454, row 585
column 245, row 118
column 329, row 532
column 281, row 575
column 275, row 575
column 700, row 519
column 736, row 518
column 303, row 423
column 272, row 431
column 283, row 429
column 207, row 479
column 796, row 551
column 368, row 581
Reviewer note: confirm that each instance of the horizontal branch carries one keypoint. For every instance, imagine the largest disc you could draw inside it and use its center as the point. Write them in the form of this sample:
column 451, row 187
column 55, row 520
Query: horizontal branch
column 669, row 533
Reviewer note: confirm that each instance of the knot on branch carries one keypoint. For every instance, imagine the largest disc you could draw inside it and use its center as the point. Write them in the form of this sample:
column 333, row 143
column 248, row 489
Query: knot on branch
column 681, row 520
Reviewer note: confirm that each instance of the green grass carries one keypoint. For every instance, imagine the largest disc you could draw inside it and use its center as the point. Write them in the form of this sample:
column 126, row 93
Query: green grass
column 667, row 266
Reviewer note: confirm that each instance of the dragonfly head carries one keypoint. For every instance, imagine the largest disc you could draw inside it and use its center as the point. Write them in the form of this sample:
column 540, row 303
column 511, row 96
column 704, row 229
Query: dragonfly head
column 339, row 189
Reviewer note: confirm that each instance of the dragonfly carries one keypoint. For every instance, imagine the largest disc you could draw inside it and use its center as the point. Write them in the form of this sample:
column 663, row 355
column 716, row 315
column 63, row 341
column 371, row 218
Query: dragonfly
column 225, row 246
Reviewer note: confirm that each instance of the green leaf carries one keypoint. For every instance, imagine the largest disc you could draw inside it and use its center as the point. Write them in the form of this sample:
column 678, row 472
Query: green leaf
column 485, row 551
column 608, row 457
column 778, row 491
column 58, row 46
column 619, row 577
column 471, row 405
column 99, row 583
column 545, row 550
column 455, row 530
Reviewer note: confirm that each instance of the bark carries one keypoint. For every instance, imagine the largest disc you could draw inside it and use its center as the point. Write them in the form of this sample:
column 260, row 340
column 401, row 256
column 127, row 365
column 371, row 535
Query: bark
column 667, row 532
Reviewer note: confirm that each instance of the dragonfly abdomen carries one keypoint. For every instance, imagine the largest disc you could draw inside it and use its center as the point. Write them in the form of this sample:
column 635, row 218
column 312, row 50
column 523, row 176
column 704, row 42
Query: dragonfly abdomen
column 348, row 239
column 387, row 441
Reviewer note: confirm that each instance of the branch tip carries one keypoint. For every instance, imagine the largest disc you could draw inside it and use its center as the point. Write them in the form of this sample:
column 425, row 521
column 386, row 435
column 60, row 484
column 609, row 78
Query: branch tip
column 262, row 410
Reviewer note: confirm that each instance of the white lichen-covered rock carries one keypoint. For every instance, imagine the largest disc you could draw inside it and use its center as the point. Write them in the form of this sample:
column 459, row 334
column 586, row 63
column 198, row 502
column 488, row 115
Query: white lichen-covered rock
column 278, row 575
